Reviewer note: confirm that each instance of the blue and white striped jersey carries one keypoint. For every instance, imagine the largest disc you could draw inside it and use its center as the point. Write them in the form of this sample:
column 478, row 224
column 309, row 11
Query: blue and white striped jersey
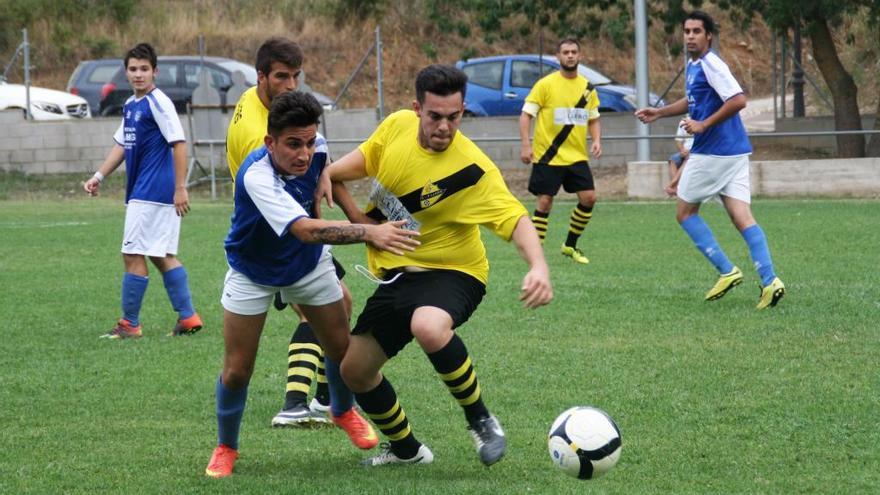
column 149, row 128
column 709, row 85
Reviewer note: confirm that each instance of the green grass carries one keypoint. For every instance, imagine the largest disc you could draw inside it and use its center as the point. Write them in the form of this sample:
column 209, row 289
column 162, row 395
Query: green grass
column 710, row 397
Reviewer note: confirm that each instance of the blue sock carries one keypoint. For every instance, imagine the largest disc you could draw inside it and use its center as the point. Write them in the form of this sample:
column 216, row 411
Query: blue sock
column 341, row 398
column 702, row 236
column 133, row 289
column 177, row 286
column 230, row 409
column 760, row 252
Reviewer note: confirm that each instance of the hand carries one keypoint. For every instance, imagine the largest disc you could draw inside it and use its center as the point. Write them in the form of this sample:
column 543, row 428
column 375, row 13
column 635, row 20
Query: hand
column 181, row 201
column 648, row 115
column 525, row 154
column 91, row 186
column 536, row 288
column 391, row 237
column 596, row 149
column 671, row 189
column 323, row 191
column 693, row 126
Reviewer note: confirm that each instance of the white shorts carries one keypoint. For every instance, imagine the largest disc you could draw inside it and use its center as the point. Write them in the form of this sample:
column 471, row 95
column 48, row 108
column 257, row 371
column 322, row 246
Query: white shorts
column 151, row 229
column 708, row 176
column 317, row 288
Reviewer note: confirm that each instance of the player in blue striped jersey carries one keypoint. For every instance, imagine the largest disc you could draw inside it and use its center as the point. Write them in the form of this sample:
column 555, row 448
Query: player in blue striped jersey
column 719, row 161
column 150, row 140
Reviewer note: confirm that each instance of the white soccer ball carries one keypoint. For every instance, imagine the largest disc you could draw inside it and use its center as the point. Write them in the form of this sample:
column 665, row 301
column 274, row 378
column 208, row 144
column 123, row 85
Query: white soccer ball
column 584, row 442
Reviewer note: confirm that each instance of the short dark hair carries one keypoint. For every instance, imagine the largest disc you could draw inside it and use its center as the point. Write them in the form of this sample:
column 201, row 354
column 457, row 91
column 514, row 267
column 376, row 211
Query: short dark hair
column 142, row 51
column 293, row 109
column 278, row 50
column 708, row 23
column 567, row 40
column 441, row 80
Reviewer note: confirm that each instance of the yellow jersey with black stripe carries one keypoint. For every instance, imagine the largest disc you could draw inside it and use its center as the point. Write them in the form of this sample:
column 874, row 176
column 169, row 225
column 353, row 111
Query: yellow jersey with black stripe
column 563, row 108
column 247, row 129
column 446, row 195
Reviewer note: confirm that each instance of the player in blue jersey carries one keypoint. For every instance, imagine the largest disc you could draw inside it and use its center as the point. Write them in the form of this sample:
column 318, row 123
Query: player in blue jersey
column 151, row 141
column 718, row 165
column 274, row 246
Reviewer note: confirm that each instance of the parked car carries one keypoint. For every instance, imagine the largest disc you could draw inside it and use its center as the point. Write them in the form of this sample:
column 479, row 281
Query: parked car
column 178, row 77
column 46, row 104
column 89, row 78
column 499, row 85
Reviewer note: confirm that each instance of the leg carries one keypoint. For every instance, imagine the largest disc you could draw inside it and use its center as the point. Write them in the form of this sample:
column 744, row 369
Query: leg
column 541, row 217
column 432, row 329
column 688, row 217
column 134, row 287
column 303, row 359
column 580, row 217
column 772, row 289
column 176, row 283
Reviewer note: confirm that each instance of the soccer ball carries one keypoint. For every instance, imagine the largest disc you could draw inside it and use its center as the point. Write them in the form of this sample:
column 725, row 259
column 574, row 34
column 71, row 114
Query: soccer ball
column 584, row 442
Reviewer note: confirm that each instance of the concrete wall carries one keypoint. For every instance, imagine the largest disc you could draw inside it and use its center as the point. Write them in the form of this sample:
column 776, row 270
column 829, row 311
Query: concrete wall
column 834, row 177
column 824, row 144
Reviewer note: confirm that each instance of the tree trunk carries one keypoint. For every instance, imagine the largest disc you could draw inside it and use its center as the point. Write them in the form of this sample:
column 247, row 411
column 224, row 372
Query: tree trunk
column 874, row 144
column 843, row 89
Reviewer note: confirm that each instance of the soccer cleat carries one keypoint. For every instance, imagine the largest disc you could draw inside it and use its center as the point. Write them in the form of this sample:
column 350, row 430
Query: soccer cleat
column 725, row 282
column 222, row 462
column 123, row 330
column 489, row 439
column 187, row 326
column 771, row 294
column 297, row 417
column 359, row 431
column 575, row 254
column 316, row 406
column 423, row 456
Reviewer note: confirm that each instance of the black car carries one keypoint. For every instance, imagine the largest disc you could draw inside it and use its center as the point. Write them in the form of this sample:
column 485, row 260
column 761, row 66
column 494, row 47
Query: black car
column 178, row 76
column 90, row 77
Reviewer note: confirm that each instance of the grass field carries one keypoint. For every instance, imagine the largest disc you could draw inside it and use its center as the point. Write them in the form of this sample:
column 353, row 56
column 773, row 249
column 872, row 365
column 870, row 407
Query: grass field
column 710, row 397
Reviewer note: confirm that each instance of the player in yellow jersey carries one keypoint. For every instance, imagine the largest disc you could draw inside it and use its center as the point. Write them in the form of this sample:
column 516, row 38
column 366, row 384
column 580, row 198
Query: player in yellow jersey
column 279, row 62
column 435, row 178
column 566, row 106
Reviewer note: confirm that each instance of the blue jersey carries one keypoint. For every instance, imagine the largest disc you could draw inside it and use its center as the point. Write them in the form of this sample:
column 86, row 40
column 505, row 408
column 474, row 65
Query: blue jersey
column 259, row 244
column 709, row 85
column 150, row 127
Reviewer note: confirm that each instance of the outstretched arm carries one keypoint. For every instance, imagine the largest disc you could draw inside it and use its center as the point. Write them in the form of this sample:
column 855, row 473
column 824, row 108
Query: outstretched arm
column 650, row 114
column 388, row 236
column 536, row 288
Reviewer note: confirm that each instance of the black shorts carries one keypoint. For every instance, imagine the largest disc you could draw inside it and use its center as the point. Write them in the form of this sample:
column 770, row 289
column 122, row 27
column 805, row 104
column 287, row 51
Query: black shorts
column 546, row 179
column 388, row 312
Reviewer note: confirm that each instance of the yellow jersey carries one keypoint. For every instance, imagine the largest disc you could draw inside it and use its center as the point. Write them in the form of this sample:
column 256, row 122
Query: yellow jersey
column 563, row 108
column 247, row 129
column 445, row 195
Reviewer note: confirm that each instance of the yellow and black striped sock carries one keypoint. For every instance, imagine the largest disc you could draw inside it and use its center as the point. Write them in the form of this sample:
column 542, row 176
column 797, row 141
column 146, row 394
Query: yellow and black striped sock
column 540, row 220
column 322, row 392
column 454, row 366
column 303, row 355
column 382, row 408
column 580, row 217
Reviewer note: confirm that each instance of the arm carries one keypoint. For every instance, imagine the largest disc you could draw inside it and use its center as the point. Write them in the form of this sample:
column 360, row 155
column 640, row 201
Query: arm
column 650, row 114
column 595, row 129
column 352, row 166
column 349, row 205
column 181, row 197
column 387, row 236
column 536, row 288
column 114, row 158
column 525, row 148
column 727, row 110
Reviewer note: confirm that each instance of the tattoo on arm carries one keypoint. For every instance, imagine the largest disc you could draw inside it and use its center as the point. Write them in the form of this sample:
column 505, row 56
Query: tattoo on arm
column 348, row 234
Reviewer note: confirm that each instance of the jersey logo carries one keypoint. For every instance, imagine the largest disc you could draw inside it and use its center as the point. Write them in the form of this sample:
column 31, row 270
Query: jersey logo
column 430, row 194
column 137, row 116
column 237, row 116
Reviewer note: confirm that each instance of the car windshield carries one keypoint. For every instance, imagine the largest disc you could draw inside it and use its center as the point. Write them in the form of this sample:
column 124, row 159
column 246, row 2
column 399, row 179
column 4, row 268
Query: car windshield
column 594, row 76
column 250, row 74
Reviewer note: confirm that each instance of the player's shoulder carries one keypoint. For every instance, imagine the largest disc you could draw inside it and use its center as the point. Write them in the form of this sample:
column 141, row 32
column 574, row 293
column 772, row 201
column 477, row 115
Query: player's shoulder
column 713, row 62
column 256, row 167
column 321, row 143
column 470, row 152
column 160, row 99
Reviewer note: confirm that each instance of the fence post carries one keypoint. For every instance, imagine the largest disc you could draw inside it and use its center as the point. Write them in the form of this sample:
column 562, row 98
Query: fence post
column 379, row 73
column 27, row 73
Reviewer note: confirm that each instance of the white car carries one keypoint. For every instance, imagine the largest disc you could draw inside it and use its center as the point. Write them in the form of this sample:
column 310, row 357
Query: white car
column 46, row 104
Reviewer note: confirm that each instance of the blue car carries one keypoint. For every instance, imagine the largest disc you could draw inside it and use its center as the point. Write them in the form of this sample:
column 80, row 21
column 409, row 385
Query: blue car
column 499, row 85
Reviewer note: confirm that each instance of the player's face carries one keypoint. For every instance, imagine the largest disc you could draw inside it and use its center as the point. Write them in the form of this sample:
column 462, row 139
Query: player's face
column 280, row 79
column 439, row 118
column 696, row 39
column 292, row 149
column 569, row 56
column 140, row 75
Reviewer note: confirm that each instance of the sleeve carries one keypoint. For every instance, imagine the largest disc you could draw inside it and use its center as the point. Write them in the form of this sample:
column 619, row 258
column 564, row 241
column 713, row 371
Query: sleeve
column 166, row 118
column 592, row 102
column 274, row 203
column 493, row 206
column 535, row 98
column 372, row 148
column 119, row 135
column 719, row 77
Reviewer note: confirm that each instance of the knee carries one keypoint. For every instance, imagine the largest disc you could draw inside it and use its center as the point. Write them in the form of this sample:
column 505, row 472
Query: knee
column 431, row 336
column 357, row 378
column 237, row 377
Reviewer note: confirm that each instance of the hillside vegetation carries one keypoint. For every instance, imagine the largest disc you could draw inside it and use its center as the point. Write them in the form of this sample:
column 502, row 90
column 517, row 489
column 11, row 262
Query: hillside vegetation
column 336, row 34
